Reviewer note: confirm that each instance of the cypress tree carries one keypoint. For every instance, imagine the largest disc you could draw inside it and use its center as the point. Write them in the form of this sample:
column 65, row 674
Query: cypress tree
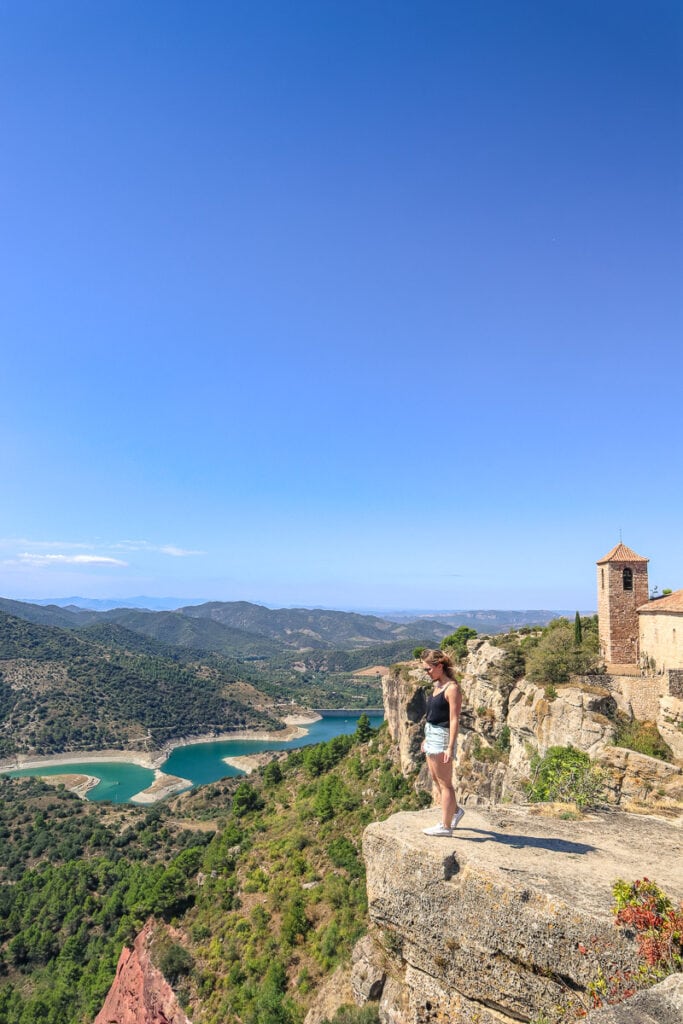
column 578, row 633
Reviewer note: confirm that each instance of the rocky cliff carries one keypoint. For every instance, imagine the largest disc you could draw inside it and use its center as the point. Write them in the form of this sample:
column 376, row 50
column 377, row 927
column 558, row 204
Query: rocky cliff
column 510, row 919
column 505, row 721
column 140, row 994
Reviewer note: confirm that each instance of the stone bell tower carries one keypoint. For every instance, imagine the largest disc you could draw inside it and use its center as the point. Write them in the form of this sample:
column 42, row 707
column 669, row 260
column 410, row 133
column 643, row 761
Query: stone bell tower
column 622, row 588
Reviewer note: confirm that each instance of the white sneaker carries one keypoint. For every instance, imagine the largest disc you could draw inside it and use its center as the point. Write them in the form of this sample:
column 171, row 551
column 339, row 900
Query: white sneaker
column 457, row 817
column 438, row 830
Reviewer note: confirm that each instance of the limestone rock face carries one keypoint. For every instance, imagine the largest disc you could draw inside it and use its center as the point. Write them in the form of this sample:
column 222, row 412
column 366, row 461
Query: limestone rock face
column 368, row 976
column 140, row 994
column 635, row 777
column 336, row 991
column 405, row 706
column 670, row 724
column 485, row 693
column 500, row 922
column 575, row 716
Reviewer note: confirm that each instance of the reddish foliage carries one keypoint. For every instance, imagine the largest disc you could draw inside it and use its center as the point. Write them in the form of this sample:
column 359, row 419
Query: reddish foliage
column 659, row 934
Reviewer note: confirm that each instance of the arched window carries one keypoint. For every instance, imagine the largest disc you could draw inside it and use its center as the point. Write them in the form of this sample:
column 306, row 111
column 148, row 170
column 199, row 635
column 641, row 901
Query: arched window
column 627, row 577
column 602, row 578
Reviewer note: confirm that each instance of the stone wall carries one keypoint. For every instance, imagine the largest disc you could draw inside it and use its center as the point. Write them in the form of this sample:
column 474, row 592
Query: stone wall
column 676, row 683
column 637, row 696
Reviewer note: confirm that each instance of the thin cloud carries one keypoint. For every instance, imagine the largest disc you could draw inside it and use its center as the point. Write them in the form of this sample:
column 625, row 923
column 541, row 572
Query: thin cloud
column 37, row 560
column 170, row 549
column 163, row 549
column 27, row 542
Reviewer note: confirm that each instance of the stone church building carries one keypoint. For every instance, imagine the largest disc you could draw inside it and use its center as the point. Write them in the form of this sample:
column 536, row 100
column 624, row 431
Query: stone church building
column 637, row 632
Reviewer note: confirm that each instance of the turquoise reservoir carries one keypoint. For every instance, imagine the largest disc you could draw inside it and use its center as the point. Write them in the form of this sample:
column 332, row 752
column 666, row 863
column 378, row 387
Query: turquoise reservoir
column 201, row 763
column 118, row 781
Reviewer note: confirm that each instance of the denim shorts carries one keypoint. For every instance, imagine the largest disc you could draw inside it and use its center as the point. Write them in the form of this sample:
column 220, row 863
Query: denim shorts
column 436, row 738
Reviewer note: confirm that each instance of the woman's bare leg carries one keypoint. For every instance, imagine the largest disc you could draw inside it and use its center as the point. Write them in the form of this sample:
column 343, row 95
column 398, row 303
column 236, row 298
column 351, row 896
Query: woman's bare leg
column 443, row 774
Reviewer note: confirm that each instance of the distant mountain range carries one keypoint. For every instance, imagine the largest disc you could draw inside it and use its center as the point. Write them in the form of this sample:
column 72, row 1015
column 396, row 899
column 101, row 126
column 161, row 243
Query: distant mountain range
column 242, row 629
column 238, row 628
column 105, row 604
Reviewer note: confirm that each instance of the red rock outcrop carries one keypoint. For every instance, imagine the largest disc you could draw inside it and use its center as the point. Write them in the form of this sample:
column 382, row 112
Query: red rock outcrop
column 140, row 994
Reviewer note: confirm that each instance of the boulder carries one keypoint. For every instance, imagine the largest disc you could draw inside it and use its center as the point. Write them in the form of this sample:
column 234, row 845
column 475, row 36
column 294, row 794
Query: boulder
column 511, row 917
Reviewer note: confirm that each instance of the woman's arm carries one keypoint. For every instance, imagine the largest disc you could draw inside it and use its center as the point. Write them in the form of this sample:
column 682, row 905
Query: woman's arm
column 454, row 698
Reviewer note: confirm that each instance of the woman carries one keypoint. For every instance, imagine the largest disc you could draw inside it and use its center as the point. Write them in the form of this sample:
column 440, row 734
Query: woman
column 441, row 733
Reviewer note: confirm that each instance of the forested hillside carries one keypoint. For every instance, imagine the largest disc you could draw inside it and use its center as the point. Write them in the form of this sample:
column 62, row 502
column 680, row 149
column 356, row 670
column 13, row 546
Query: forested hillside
column 131, row 679
column 263, row 881
column 61, row 690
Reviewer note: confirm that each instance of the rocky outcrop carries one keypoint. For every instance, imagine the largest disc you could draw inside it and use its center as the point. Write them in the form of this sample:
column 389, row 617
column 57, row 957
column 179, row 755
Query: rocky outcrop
column 670, row 724
column 574, row 714
column 139, row 993
column 485, row 689
column 634, row 778
column 531, row 718
column 508, row 920
column 405, row 706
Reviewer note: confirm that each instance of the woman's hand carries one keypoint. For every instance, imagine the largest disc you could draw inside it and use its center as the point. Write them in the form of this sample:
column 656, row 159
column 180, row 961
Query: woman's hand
column 447, row 756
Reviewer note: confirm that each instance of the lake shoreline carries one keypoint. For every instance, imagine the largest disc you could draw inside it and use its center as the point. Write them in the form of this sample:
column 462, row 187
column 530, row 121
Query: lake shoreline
column 294, row 729
column 163, row 785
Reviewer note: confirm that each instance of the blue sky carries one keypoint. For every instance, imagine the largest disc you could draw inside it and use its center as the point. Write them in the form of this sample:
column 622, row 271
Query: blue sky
column 359, row 304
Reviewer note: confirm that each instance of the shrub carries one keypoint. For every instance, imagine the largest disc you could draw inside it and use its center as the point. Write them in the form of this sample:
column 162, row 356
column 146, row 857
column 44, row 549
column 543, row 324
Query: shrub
column 343, row 854
column 642, row 905
column 348, row 1014
column 643, row 737
column 566, row 775
column 175, row 962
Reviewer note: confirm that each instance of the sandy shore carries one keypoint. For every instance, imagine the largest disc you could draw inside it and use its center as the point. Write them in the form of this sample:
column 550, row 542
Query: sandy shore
column 250, row 762
column 78, row 784
column 163, row 786
column 143, row 760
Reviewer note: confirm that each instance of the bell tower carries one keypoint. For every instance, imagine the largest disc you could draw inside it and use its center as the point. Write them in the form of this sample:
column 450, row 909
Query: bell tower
column 622, row 588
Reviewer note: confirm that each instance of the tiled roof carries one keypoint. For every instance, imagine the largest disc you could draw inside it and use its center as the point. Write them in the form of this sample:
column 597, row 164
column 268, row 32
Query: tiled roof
column 670, row 603
column 620, row 553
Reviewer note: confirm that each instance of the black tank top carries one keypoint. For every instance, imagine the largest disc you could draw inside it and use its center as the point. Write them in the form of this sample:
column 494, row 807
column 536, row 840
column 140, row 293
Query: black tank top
column 438, row 708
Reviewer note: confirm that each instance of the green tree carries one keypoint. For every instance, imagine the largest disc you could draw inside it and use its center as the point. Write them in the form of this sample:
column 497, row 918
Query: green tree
column 364, row 730
column 457, row 642
column 555, row 657
column 578, row 631
column 246, row 799
column 272, row 773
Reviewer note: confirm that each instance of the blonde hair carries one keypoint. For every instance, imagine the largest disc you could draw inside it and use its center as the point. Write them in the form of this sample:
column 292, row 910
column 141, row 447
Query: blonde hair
column 439, row 657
